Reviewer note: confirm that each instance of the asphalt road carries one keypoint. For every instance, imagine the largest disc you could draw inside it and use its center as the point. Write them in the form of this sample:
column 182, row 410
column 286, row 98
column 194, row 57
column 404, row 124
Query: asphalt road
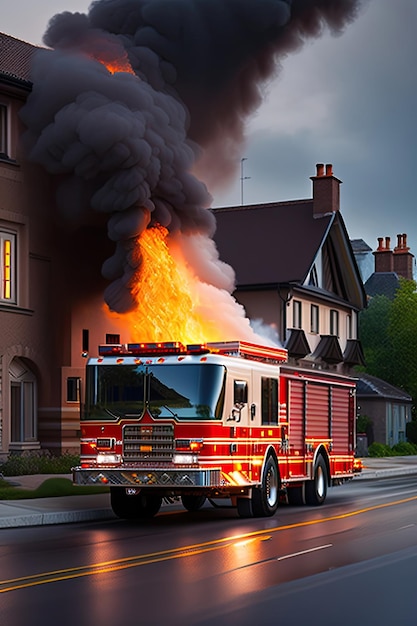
column 353, row 559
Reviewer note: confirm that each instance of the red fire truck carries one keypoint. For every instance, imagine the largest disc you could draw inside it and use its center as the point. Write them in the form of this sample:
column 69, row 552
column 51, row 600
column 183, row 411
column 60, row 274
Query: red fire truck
column 220, row 420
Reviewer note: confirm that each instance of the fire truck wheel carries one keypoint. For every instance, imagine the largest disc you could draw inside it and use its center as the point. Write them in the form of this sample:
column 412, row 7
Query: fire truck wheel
column 141, row 506
column 296, row 495
column 193, row 503
column 316, row 489
column 244, row 507
column 265, row 498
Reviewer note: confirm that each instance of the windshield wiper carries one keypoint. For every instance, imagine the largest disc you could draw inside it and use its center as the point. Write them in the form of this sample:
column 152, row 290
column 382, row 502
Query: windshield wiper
column 164, row 406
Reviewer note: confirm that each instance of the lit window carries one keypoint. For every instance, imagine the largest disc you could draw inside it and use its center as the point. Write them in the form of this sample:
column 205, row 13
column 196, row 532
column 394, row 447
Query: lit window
column 3, row 132
column 8, row 267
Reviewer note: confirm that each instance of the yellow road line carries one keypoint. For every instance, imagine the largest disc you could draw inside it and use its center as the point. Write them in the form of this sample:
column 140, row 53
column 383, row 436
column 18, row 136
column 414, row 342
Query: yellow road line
column 175, row 553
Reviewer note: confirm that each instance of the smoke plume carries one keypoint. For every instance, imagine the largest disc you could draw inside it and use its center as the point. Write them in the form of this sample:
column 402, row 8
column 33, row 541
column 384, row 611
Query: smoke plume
column 125, row 144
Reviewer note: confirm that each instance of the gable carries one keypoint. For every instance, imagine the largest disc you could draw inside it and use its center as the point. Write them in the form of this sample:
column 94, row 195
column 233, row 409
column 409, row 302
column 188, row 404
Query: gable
column 278, row 243
column 271, row 243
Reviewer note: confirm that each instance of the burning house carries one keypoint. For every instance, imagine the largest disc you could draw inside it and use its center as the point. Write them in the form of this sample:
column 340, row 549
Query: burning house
column 127, row 119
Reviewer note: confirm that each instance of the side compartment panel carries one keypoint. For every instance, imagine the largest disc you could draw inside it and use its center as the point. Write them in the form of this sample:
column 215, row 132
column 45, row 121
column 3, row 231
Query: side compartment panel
column 296, row 428
column 318, row 411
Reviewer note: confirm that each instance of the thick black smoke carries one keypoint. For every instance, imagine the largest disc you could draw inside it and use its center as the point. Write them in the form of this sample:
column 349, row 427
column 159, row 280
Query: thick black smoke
column 125, row 144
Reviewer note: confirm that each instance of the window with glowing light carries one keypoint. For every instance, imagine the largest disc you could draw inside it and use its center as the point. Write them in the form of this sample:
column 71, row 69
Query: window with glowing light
column 180, row 392
column 8, row 267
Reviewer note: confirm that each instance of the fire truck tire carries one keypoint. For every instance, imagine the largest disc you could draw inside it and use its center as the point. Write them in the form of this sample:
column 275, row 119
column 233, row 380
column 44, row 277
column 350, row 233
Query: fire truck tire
column 296, row 495
column 316, row 489
column 265, row 499
column 244, row 507
column 193, row 503
column 141, row 506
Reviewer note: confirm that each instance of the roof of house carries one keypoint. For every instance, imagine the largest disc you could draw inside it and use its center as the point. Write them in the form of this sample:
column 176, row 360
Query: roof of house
column 279, row 242
column 372, row 387
column 260, row 243
column 359, row 245
column 382, row 284
column 16, row 57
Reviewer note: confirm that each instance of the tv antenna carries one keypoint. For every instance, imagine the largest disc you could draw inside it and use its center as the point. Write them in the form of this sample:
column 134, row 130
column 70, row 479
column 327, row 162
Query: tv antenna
column 242, row 178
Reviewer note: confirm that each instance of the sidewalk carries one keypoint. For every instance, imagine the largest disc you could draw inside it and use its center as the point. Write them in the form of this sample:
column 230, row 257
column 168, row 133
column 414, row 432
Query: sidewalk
column 64, row 510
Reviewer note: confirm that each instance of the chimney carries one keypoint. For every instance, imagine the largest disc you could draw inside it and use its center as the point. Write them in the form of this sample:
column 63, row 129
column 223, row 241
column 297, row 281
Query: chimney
column 326, row 190
column 383, row 256
column 403, row 259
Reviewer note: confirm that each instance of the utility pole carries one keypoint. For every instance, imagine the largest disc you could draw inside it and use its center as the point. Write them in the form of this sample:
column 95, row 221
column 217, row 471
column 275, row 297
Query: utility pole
column 242, row 178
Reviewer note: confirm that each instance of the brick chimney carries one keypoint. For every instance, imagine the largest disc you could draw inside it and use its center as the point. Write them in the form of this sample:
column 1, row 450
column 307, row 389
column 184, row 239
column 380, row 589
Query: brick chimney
column 403, row 259
column 326, row 190
column 384, row 256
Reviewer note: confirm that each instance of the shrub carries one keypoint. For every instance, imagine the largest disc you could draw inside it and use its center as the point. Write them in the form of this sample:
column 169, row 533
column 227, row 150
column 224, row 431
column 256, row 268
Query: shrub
column 404, row 448
column 363, row 424
column 39, row 462
column 379, row 450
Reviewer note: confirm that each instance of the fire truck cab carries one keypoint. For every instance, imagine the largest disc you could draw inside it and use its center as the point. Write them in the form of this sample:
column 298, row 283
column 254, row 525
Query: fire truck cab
column 225, row 420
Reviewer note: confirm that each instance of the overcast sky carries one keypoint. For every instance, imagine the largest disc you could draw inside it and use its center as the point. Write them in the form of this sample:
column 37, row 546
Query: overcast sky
column 350, row 101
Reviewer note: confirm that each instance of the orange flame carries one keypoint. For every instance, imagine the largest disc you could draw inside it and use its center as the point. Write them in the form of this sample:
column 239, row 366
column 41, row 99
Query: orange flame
column 167, row 305
column 120, row 63
column 172, row 304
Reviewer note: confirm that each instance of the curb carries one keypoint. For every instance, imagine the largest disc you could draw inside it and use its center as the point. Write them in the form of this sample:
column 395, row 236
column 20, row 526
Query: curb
column 63, row 517
column 385, row 473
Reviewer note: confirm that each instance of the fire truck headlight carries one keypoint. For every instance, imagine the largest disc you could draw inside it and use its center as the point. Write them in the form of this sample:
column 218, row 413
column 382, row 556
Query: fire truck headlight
column 185, row 459
column 108, row 459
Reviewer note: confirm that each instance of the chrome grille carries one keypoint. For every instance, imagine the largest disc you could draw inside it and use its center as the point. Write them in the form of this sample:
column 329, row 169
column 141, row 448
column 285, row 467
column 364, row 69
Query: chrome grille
column 148, row 442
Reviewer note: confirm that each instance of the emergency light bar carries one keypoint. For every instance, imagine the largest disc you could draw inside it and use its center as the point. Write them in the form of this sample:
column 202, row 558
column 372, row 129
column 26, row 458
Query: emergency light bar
column 166, row 347
column 249, row 350
column 241, row 349
column 111, row 349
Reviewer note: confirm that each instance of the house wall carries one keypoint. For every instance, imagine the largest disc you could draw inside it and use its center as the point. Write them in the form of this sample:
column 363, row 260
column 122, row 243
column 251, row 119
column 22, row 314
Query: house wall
column 273, row 310
column 347, row 321
column 59, row 294
column 24, row 318
column 388, row 419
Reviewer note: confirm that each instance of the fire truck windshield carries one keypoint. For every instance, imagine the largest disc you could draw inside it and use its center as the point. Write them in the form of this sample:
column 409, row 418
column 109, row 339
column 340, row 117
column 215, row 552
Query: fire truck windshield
column 183, row 392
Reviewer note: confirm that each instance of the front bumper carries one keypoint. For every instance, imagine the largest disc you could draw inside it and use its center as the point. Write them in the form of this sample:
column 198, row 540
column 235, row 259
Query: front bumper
column 147, row 477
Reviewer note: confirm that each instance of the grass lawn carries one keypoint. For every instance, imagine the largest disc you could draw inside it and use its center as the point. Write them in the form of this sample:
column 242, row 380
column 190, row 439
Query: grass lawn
column 50, row 488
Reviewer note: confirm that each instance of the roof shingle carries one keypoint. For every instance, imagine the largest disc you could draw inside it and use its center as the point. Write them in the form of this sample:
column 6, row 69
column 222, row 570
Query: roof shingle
column 260, row 243
column 16, row 57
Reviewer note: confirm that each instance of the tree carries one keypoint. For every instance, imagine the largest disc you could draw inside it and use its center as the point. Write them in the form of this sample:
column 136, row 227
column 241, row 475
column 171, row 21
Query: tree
column 402, row 329
column 388, row 333
column 374, row 336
